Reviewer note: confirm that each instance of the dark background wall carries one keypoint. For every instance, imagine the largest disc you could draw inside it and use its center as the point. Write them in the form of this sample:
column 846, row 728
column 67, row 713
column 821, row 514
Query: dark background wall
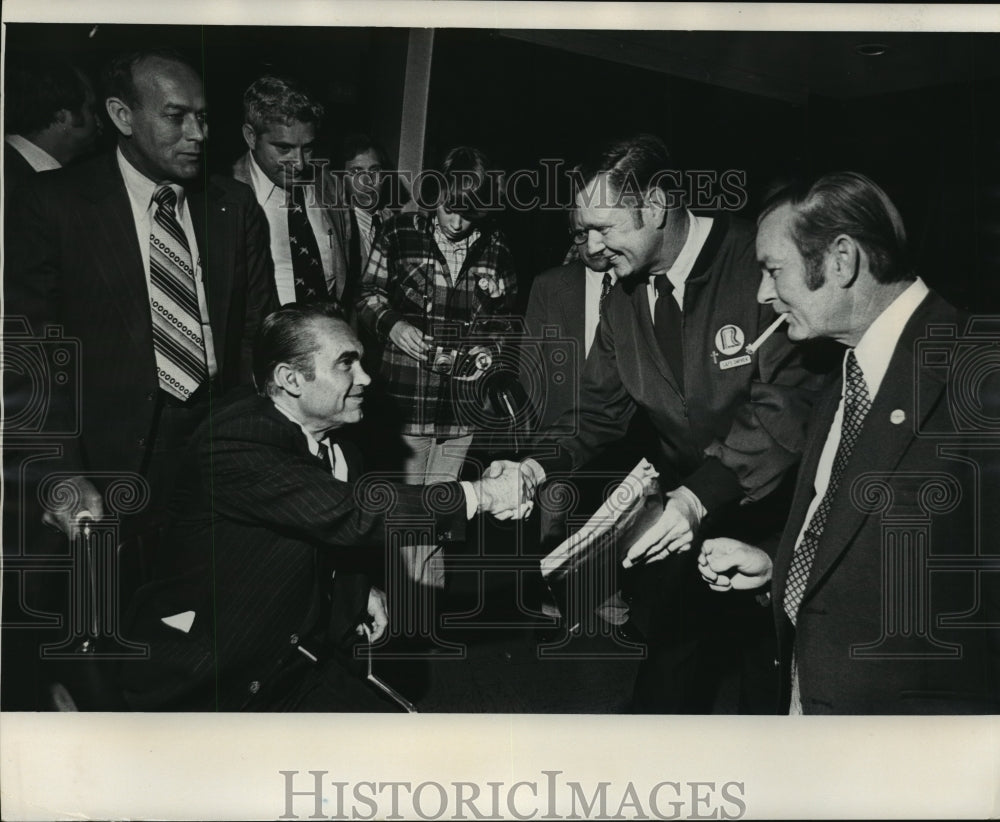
column 935, row 148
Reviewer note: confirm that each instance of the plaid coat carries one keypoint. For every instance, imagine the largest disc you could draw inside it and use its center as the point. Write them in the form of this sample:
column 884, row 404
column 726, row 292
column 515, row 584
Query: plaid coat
column 407, row 278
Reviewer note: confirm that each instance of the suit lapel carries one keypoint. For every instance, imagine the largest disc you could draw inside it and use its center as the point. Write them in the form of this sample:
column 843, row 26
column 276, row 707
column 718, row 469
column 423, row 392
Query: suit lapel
column 644, row 319
column 212, row 219
column 825, row 411
column 883, row 441
column 572, row 297
column 118, row 257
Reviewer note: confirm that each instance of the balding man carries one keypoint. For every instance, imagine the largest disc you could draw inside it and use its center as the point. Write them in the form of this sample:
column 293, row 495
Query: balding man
column 162, row 276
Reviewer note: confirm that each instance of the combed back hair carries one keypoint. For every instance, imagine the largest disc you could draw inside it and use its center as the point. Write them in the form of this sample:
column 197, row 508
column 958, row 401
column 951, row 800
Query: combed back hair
column 844, row 202
column 281, row 100
column 632, row 166
column 358, row 143
column 37, row 90
column 119, row 74
column 288, row 335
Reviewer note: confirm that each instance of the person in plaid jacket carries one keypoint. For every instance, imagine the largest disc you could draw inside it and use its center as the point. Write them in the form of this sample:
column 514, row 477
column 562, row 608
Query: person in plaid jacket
column 435, row 273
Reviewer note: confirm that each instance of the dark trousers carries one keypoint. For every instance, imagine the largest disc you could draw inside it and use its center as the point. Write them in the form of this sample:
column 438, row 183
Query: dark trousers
column 706, row 651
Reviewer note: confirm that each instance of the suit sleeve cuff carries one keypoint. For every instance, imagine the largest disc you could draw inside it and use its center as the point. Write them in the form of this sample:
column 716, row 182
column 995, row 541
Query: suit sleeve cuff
column 471, row 499
column 714, row 484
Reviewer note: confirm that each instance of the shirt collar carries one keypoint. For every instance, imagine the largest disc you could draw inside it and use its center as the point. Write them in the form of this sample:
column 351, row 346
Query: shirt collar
column 38, row 158
column 599, row 275
column 262, row 185
column 140, row 188
column 311, row 441
column 698, row 230
column 877, row 344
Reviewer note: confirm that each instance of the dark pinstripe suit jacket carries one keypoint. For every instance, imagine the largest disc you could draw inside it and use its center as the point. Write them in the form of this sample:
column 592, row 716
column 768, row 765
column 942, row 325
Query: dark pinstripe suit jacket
column 257, row 526
column 73, row 260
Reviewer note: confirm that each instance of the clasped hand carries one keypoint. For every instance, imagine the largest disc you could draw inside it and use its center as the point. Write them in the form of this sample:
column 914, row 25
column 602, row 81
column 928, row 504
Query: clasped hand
column 507, row 490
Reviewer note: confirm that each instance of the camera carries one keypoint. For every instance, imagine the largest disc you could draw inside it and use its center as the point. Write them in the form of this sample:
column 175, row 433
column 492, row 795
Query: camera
column 501, row 375
column 41, row 381
column 969, row 364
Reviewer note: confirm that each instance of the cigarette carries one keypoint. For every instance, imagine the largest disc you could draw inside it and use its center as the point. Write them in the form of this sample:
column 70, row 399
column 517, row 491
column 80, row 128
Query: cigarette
column 763, row 337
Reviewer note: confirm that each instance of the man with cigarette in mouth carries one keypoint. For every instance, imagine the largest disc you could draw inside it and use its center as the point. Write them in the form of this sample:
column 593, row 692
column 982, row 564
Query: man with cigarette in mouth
column 672, row 339
column 865, row 624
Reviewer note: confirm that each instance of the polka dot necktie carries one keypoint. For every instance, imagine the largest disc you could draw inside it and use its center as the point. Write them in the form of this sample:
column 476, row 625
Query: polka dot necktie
column 856, row 406
column 307, row 267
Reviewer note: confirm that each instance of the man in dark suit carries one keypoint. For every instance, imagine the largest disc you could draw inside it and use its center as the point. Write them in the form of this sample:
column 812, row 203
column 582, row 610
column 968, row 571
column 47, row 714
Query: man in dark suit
column 884, row 589
column 672, row 341
column 244, row 615
column 162, row 277
column 50, row 119
column 308, row 231
column 569, row 298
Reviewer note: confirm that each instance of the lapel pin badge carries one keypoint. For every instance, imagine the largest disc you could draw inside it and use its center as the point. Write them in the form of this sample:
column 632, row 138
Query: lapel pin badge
column 729, row 341
column 897, row 417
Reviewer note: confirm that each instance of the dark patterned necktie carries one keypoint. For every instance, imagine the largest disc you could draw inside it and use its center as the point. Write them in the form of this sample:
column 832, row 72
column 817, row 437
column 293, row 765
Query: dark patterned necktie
column 178, row 343
column 325, row 457
column 668, row 323
column 605, row 290
column 856, row 406
column 307, row 267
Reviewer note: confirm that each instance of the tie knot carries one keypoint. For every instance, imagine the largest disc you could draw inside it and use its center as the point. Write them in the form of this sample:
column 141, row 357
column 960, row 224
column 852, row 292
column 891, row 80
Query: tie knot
column 663, row 286
column 855, row 376
column 165, row 196
column 606, row 281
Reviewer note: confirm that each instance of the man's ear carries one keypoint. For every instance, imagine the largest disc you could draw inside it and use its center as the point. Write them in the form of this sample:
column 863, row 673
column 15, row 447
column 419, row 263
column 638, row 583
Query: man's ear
column 249, row 136
column 655, row 205
column 847, row 257
column 287, row 378
column 64, row 117
column 120, row 114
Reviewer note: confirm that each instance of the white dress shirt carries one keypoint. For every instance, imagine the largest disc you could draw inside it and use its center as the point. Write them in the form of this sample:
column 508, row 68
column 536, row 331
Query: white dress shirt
column 873, row 353
column 140, row 194
column 272, row 199
column 39, row 159
column 698, row 231
column 592, row 303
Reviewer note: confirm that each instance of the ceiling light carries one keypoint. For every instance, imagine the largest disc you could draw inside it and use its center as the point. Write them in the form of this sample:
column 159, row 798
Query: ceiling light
column 871, row 49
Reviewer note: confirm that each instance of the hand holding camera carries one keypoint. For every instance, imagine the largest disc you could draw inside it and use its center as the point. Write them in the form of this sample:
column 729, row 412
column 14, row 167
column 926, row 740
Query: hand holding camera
column 411, row 340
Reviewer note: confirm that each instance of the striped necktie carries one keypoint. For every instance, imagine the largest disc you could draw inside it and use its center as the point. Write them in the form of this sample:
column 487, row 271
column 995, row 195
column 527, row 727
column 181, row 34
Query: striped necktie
column 178, row 343
column 856, row 406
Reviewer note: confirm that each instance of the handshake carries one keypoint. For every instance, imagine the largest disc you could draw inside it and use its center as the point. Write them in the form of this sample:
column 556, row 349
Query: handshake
column 507, row 489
